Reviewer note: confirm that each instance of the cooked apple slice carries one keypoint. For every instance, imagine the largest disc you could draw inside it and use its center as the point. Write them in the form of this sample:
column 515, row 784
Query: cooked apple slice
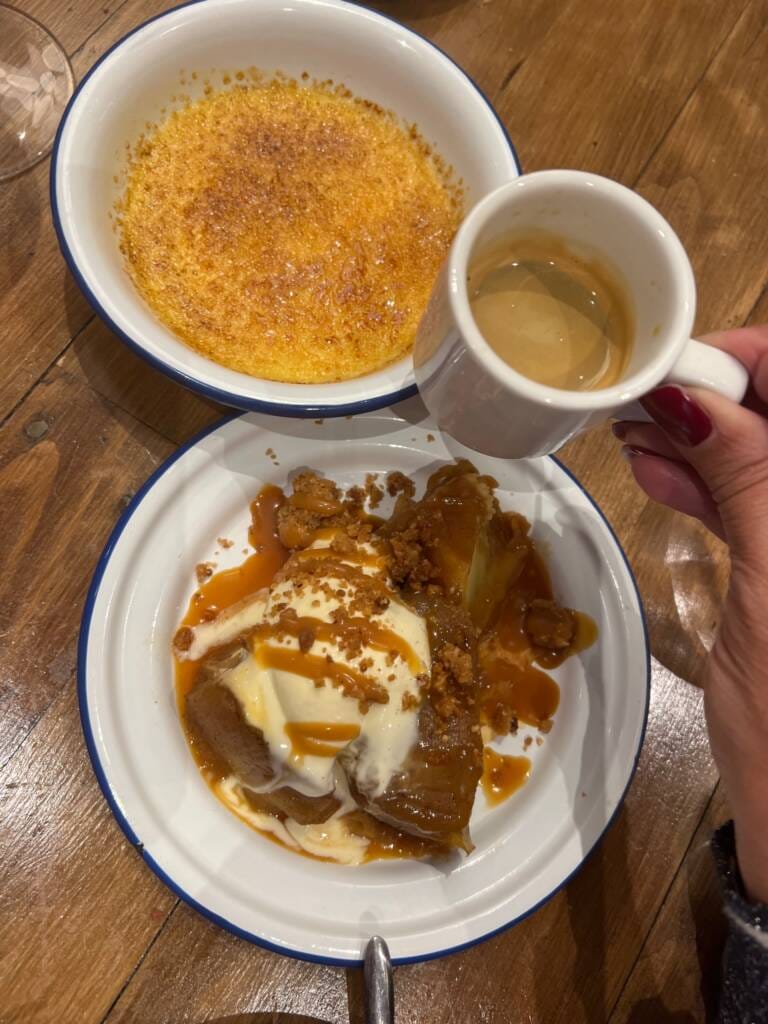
column 456, row 536
column 215, row 715
column 431, row 796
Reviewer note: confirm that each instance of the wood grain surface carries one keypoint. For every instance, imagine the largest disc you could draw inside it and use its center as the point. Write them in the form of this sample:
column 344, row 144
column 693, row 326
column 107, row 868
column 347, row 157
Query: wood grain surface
column 670, row 98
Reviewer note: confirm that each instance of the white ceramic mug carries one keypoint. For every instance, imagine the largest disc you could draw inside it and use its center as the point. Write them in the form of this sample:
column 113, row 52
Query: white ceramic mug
column 481, row 401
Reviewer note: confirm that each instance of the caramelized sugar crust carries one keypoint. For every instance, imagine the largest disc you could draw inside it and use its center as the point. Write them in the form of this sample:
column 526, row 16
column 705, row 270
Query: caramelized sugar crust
column 288, row 231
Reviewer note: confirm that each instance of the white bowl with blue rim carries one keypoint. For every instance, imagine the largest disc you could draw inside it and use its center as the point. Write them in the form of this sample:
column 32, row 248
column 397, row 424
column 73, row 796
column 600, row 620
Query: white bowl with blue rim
column 526, row 848
column 374, row 56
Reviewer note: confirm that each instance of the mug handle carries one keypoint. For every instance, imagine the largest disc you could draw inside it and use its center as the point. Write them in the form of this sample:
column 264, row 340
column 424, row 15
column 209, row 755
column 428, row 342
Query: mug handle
column 699, row 366
column 704, row 366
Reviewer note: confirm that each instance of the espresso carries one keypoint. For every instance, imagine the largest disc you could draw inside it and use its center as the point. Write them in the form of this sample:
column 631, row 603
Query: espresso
column 556, row 316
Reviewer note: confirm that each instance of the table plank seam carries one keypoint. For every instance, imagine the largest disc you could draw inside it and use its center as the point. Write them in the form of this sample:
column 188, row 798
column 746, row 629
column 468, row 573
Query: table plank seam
column 98, row 28
column 663, row 902
column 726, row 38
column 41, row 379
column 48, row 709
column 509, row 76
column 124, row 409
column 58, row 692
column 763, row 294
column 140, row 961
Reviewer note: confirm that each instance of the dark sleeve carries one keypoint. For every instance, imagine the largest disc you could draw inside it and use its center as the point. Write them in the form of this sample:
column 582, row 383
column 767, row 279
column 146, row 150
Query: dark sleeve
column 744, row 989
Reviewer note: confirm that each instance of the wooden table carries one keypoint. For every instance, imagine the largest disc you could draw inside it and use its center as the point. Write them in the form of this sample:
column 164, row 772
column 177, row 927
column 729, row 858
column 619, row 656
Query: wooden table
column 669, row 97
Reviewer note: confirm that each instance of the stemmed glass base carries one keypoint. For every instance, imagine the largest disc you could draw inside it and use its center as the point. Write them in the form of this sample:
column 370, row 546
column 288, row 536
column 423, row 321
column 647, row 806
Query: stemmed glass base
column 36, row 82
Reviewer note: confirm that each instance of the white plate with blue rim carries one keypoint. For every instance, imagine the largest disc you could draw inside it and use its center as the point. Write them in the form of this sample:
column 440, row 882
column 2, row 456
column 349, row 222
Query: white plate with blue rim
column 130, row 85
column 526, row 848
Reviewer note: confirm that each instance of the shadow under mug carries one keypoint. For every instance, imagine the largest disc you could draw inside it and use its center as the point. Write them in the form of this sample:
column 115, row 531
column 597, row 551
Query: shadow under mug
column 481, row 401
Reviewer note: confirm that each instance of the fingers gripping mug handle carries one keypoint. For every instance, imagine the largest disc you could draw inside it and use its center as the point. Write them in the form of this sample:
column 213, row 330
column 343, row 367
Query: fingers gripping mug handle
column 704, row 366
column 700, row 366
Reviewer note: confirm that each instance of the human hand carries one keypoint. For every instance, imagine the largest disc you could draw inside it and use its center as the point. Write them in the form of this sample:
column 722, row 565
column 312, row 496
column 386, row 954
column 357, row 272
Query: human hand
column 708, row 457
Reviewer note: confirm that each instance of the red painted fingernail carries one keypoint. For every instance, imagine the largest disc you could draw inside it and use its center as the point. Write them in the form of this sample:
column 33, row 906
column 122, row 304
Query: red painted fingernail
column 629, row 451
column 678, row 414
column 619, row 430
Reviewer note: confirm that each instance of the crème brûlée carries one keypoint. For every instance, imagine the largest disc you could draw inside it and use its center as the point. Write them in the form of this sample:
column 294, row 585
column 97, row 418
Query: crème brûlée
column 289, row 231
column 343, row 690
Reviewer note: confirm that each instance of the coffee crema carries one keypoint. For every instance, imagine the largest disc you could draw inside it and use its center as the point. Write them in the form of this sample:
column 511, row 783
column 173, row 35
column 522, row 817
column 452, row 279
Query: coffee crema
column 556, row 316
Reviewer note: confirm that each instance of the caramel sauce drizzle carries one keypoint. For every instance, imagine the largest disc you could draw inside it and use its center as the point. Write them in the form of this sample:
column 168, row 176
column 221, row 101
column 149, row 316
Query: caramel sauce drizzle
column 229, row 586
column 372, row 635
column 329, row 566
column 354, row 684
column 584, row 636
column 511, row 680
column 356, row 557
column 530, row 694
column 319, row 739
column 319, row 506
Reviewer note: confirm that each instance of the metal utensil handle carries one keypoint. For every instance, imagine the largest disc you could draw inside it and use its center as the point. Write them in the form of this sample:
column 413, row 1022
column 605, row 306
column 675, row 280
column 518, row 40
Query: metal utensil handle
column 379, row 989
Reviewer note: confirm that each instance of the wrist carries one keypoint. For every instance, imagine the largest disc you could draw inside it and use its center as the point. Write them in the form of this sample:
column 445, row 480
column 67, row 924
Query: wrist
column 752, row 857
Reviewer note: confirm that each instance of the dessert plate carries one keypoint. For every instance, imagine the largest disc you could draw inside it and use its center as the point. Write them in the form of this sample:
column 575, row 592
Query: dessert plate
column 527, row 847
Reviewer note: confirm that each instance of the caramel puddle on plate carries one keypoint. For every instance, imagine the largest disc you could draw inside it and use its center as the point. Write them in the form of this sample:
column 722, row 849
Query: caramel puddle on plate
column 503, row 775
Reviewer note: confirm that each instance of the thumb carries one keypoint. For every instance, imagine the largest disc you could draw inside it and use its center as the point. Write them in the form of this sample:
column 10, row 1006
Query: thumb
column 727, row 445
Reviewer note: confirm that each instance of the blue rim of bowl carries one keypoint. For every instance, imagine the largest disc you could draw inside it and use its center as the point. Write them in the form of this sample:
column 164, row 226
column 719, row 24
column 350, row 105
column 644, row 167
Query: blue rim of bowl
column 82, row 696
column 216, row 394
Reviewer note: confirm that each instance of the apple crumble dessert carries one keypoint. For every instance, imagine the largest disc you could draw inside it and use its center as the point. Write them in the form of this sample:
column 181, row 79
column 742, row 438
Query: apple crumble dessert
column 342, row 689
